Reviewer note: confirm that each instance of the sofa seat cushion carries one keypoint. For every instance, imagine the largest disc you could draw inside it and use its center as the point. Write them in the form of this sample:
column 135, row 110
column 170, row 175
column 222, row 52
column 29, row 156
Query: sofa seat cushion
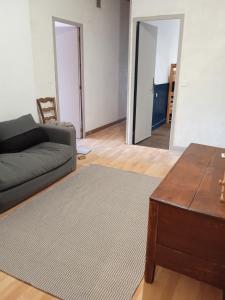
column 17, row 168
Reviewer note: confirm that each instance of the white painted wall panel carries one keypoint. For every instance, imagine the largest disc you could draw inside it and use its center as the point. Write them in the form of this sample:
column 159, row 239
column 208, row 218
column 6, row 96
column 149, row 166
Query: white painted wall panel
column 101, row 54
column 167, row 48
column 201, row 93
column 16, row 62
column 123, row 58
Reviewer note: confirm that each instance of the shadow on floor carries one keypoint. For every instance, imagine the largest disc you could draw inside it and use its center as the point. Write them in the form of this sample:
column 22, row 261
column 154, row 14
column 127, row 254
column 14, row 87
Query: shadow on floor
column 160, row 138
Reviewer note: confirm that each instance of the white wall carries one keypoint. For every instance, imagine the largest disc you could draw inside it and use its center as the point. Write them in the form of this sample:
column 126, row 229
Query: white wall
column 167, row 48
column 123, row 59
column 16, row 71
column 67, row 53
column 201, row 93
column 101, row 53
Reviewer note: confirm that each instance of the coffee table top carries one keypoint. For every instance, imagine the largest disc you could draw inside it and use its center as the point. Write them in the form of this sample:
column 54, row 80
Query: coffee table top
column 193, row 183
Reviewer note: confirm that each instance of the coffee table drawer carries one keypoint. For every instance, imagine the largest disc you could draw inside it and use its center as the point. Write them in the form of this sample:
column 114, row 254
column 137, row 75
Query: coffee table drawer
column 191, row 266
column 192, row 233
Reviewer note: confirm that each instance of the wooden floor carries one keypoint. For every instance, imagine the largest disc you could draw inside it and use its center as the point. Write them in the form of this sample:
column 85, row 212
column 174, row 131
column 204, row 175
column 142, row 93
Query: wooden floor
column 160, row 138
column 109, row 149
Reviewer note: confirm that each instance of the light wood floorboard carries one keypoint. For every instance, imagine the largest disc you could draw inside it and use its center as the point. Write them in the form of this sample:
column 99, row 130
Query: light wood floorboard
column 109, row 149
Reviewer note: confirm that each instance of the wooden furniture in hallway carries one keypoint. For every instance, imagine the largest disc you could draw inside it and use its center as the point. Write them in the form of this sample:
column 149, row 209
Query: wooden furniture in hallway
column 172, row 80
column 186, row 230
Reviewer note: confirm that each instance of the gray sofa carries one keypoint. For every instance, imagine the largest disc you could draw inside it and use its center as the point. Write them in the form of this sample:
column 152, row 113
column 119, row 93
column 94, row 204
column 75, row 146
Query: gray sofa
column 24, row 173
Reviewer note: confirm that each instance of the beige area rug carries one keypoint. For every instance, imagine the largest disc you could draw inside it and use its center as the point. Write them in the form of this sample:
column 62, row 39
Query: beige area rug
column 83, row 239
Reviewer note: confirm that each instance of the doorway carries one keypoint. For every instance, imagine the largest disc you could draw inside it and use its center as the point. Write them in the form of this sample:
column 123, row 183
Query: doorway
column 69, row 73
column 155, row 67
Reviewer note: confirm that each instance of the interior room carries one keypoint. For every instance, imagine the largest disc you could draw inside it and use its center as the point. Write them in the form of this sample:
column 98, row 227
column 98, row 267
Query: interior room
column 69, row 67
column 157, row 41
column 112, row 150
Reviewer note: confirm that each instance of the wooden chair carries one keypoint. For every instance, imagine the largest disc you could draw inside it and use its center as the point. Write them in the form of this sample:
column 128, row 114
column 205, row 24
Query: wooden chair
column 47, row 110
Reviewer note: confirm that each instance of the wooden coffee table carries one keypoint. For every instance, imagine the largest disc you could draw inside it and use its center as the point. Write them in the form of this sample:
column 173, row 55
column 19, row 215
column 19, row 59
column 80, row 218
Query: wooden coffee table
column 186, row 231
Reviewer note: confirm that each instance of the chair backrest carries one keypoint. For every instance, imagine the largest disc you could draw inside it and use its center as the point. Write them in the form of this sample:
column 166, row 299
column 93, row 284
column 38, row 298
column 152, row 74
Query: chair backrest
column 47, row 109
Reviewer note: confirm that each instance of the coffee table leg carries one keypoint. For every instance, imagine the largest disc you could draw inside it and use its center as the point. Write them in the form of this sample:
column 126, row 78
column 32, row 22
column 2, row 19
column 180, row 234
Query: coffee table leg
column 151, row 243
column 223, row 294
column 150, row 273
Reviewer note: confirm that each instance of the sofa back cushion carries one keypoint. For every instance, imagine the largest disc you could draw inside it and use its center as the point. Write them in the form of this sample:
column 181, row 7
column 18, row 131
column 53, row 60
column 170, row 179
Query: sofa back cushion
column 9, row 129
column 20, row 134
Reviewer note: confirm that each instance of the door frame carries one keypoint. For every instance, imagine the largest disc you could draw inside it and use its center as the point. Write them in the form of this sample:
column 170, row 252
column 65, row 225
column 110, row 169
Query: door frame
column 81, row 69
column 132, row 72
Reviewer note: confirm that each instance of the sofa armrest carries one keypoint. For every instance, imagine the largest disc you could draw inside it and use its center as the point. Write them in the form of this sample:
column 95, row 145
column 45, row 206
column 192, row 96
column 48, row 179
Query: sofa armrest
column 61, row 135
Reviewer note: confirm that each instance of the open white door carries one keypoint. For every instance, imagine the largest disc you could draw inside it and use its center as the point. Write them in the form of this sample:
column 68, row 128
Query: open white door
column 144, row 80
column 68, row 74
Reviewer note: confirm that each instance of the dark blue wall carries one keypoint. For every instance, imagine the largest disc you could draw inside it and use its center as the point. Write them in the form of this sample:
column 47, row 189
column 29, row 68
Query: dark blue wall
column 160, row 104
